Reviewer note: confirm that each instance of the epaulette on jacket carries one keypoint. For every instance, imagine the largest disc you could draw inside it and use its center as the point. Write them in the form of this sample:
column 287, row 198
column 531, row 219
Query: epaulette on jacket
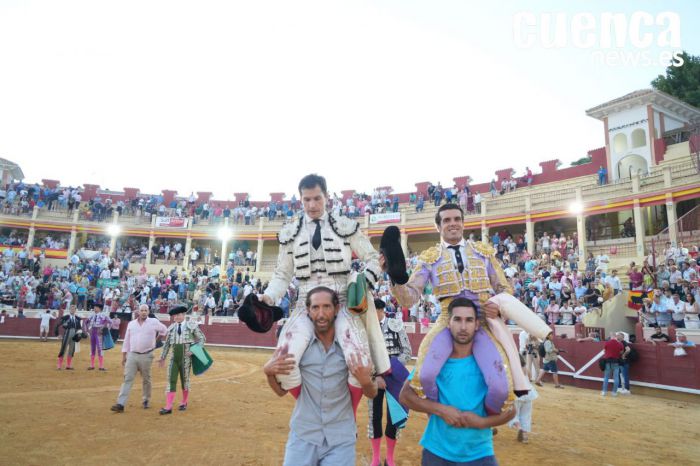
column 343, row 226
column 483, row 249
column 430, row 255
column 290, row 231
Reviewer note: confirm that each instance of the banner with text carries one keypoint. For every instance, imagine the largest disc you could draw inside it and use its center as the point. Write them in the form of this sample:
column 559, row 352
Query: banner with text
column 391, row 217
column 171, row 222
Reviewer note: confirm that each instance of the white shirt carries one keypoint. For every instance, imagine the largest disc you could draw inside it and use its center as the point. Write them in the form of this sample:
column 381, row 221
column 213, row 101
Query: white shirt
column 462, row 250
column 614, row 282
column 46, row 318
column 602, row 262
column 678, row 309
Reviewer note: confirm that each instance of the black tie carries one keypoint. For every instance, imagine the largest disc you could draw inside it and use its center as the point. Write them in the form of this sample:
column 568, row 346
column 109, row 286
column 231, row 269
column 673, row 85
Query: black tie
column 458, row 256
column 316, row 240
column 179, row 329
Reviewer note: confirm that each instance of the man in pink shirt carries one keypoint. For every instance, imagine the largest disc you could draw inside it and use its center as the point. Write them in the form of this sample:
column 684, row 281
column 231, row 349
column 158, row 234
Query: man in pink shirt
column 137, row 355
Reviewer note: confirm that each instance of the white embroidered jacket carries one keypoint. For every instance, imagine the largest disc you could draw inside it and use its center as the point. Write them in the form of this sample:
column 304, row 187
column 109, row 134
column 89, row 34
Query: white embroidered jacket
column 330, row 265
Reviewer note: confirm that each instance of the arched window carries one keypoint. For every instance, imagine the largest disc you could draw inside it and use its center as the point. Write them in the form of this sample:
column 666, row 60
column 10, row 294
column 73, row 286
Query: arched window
column 639, row 138
column 620, row 143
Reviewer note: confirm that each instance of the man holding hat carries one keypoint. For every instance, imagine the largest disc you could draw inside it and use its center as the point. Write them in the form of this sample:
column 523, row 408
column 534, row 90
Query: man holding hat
column 137, row 355
column 181, row 335
column 94, row 326
column 71, row 329
column 318, row 249
column 459, row 268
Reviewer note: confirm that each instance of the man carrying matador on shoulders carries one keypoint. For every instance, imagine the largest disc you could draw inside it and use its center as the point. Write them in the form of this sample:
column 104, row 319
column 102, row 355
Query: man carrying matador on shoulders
column 467, row 269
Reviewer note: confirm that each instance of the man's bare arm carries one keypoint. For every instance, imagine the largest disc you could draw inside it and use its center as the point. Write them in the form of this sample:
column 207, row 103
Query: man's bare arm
column 280, row 364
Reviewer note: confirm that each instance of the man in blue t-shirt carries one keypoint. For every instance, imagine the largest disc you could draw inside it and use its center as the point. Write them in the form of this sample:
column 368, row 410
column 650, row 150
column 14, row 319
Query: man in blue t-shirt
column 458, row 431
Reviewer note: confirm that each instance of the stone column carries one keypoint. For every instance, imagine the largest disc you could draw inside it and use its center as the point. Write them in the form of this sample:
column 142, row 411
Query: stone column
column 671, row 216
column 188, row 248
column 484, row 228
column 670, row 209
column 404, row 235
column 529, row 227
column 639, row 229
column 113, row 239
column 188, row 244
column 224, row 244
column 151, row 243
column 260, row 254
column 581, row 231
column 30, row 236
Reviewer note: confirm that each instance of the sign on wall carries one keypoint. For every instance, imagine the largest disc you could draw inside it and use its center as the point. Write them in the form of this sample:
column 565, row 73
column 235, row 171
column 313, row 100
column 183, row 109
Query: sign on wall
column 391, row 217
column 171, row 222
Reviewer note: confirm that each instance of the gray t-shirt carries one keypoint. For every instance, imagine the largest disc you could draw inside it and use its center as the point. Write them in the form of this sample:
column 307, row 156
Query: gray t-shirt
column 323, row 409
column 550, row 353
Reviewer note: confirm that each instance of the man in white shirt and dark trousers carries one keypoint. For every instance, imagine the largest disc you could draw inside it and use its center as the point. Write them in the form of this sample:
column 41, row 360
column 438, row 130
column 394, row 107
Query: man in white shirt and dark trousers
column 137, row 355
column 44, row 326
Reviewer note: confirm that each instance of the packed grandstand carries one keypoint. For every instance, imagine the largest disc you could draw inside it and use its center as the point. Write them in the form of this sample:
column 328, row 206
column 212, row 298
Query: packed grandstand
column 591, row 249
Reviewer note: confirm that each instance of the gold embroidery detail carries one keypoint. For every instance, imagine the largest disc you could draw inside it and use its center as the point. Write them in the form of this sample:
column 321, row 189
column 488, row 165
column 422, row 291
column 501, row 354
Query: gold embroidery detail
column 483, row 249
column 430, row 255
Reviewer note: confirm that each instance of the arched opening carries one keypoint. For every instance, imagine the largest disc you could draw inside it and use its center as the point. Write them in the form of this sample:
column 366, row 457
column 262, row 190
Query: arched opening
column 630, row 165
column 620, row 143
column 639, row 138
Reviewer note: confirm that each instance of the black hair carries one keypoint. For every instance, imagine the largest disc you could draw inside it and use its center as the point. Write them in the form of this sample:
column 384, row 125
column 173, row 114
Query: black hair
column 448, row 206
column 379, row 304
column 311, row 181
column 322, row 289
column 462, row 302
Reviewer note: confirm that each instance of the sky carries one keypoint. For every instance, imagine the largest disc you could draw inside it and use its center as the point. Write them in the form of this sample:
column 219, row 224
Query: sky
column 249, row 96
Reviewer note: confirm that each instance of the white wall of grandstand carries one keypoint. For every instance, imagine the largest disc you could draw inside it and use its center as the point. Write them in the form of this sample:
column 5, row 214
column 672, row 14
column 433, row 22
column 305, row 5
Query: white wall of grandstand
column 639, row 207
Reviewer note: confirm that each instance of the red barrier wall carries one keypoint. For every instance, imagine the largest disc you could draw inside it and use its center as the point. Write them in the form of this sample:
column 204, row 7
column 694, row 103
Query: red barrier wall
column 656, row 364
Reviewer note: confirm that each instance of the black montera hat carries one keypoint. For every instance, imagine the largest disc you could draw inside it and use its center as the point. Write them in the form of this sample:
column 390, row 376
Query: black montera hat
column 390, row 247
column 178, row 310
column 257, row 315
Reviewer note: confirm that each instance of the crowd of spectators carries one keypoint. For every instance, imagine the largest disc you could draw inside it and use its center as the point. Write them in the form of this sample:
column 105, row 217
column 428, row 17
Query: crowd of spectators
column 20, row 198
column 27, row 282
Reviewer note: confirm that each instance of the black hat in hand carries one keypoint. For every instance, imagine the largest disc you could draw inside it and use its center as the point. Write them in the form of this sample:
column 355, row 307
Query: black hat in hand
column 390, row 247
column 257, row 315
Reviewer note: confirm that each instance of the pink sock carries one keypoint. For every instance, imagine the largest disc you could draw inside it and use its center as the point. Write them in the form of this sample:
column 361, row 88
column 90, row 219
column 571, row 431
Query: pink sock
column 376, row 451
column 355, row 397
column 185, row 396
column 102, row 362
column 69, row 361
column 92, row 360
column 296, row 391
column 169, row 398
column 60, row 362
column 390, row 445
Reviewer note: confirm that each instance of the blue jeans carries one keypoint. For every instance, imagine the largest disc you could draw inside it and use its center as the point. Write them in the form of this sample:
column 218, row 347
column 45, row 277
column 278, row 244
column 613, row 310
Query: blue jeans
column 614, row 367
column 625, row 375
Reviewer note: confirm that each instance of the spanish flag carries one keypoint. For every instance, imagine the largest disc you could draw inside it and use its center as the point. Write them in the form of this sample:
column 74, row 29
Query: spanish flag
column 636, row 299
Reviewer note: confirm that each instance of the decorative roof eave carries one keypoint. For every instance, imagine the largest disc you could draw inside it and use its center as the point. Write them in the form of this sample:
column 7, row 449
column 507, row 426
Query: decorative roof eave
column 14, row 169
column 643, row 97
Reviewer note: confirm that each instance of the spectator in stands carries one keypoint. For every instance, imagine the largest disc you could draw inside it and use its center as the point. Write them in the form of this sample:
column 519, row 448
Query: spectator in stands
column 420, row 203
column 552, row 312
column 682, row 341
column 636, row 278
column 602, row 175
column 677, row 309
column 658, row 336
column 601, row 262
column 692, row 312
